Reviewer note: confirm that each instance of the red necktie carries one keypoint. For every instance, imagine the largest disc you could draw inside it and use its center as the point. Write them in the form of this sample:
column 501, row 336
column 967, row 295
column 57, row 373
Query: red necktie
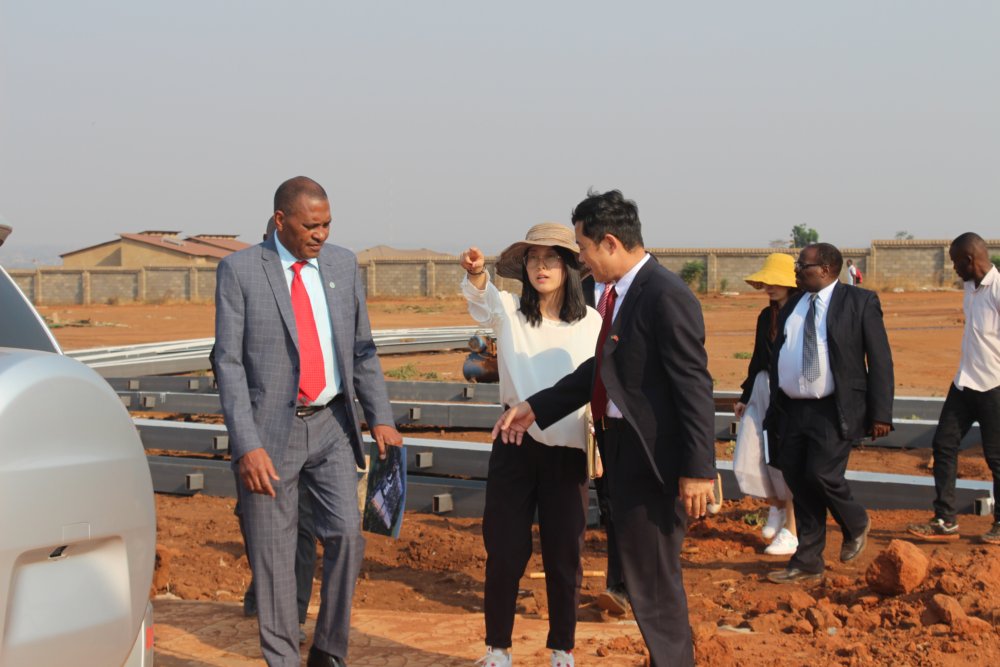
column 312, row 374
column 599, row 397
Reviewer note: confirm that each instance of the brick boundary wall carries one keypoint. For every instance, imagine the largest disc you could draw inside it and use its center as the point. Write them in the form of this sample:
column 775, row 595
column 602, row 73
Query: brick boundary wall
column 913, row 264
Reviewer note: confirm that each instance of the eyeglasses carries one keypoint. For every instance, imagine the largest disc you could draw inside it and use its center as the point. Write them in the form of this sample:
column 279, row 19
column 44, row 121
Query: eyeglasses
column 799, row 266
column 548, row 261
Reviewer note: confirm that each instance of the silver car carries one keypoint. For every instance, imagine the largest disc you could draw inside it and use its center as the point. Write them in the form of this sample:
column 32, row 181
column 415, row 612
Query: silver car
column 77, row 518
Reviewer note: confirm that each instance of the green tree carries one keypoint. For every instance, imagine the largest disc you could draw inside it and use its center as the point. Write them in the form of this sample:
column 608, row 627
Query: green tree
column 903, row 235
column 803, row 236
column 693, row 273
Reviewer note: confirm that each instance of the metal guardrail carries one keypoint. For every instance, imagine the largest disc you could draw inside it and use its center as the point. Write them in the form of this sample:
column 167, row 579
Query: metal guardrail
column 189, row 356
column 466, row 497
column 463, row 406
column 457, row 470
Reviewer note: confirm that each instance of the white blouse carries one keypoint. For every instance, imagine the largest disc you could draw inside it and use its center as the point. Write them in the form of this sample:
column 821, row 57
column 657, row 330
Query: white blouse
column 534, row 358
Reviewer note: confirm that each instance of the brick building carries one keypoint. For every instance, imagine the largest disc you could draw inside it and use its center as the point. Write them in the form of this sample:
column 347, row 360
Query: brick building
column 154, row 248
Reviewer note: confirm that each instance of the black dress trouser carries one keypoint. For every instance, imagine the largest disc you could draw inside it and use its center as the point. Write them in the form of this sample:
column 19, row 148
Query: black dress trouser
column 961, row 408
column 521, row 480
column 813, row 458
column 649, row 524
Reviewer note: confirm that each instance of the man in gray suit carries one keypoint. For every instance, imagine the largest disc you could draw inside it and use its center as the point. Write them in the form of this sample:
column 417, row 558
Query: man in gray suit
column 294, row 350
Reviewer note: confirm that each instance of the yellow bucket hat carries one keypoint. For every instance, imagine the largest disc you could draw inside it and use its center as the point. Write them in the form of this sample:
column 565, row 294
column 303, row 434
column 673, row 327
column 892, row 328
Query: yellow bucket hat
column 779, row 269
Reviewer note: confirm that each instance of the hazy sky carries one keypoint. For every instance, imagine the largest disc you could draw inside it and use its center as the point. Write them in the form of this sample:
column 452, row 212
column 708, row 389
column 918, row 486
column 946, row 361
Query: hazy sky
column 448, row 123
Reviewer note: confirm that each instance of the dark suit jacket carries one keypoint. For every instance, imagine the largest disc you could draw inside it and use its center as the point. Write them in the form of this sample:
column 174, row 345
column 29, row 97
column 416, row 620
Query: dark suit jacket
column 656, row 372
column 860, row 360
column 763, row 349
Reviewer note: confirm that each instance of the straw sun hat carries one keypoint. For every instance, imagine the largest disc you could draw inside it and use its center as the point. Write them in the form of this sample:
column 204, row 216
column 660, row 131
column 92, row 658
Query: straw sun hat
column 779, row 269
column 548, row 234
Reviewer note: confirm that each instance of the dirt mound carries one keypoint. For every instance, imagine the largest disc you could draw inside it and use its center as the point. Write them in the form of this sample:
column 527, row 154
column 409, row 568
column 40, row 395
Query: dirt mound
column 738, row 617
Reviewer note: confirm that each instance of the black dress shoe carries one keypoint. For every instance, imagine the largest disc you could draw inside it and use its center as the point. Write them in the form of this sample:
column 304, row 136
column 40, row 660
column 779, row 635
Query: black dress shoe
column 793, row 575
column 319, row 658
column 851, row 549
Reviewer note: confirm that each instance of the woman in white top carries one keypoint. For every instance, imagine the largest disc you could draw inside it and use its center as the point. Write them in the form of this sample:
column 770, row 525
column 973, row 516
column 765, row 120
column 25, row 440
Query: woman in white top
column 541, row 336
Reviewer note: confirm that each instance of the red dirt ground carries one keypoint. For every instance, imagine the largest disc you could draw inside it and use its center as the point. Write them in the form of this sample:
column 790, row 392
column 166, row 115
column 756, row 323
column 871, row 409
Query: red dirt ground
column 436, row 566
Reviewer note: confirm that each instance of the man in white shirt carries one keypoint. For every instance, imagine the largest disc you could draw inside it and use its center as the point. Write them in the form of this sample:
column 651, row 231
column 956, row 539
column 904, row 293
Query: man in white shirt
column 831, row 385
column 974, row 394
column 852, row 273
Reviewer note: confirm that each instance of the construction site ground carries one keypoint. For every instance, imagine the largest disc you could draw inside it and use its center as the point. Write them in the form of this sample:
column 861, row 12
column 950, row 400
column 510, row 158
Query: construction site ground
column 419, row 600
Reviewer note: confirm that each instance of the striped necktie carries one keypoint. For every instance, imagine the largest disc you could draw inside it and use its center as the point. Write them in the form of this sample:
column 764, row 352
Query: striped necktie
column 810, row 351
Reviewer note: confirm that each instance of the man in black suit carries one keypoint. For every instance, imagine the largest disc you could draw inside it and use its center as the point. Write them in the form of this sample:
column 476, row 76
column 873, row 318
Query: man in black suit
column 651, row 394
column 831, row 384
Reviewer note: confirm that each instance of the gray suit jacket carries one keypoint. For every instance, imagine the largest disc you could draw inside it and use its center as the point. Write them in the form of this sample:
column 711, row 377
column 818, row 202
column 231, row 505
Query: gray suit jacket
column 257, row 348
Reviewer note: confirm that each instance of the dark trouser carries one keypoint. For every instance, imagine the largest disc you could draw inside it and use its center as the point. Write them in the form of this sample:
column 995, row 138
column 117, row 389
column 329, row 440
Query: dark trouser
column 521, row 479
column 604, row 505
column 305, row 555
column 649, row 524
column 961, row 408
column 813, row 458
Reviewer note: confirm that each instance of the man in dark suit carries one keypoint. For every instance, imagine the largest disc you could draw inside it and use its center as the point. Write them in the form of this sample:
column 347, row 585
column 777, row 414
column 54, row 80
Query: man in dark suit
column 651, row 394
column 831, row 384
column 293, row 353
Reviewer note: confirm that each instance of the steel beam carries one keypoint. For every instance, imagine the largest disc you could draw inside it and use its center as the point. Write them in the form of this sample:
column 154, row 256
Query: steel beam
column 183, row 436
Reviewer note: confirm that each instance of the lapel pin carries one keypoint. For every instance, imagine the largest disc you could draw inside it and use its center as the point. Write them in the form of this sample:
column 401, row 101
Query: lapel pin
column 614, row 338
column 332, row 285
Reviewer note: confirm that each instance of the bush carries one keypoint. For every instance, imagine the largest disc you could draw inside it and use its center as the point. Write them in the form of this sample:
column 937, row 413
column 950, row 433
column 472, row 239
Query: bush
column 411, row 372
column 742, row 355
column 996, row 261
column 693, row 273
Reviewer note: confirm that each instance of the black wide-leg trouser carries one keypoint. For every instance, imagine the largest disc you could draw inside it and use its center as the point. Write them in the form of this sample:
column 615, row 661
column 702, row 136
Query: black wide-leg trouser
column 521, row 480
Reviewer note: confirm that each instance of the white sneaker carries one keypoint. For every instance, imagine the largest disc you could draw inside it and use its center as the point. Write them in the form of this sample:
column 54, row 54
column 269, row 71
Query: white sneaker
column 775, row 521
column 784, row 544
column 562, row 659
column 495, row 657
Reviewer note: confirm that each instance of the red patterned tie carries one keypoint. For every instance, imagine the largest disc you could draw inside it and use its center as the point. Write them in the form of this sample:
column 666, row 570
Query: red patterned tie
column 599, row 397
column 312, row 375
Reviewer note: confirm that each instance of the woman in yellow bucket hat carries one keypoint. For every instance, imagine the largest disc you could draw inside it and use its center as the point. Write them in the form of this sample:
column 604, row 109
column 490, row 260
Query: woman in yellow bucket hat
column 754, row 475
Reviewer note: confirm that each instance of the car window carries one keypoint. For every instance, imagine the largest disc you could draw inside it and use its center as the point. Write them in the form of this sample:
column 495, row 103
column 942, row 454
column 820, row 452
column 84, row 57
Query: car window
column 20, row 325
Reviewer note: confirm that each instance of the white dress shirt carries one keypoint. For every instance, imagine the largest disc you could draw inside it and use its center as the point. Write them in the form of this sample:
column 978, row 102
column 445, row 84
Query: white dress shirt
column 531, row 358
column 979, row 369
column 313, row 282
column 621, row 288
column 790, row 377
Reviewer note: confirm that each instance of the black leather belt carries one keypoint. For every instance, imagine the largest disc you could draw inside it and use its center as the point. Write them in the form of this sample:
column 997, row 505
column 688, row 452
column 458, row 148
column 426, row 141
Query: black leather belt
column 613, row 423
column 310, row 410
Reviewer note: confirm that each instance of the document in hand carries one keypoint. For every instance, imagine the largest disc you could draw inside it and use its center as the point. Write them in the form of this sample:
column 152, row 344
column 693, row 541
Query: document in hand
column 386, row 495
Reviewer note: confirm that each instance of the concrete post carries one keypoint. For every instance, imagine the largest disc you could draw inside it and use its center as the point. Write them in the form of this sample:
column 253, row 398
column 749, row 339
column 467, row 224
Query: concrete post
column 193, row 284
column 431, row 278
column 711, row 273
column 372, row 290
column 85, row 277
